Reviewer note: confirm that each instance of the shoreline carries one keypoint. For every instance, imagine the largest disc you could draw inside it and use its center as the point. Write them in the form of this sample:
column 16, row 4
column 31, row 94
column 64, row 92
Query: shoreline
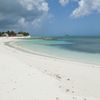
column 73, row 80
column 12, row 45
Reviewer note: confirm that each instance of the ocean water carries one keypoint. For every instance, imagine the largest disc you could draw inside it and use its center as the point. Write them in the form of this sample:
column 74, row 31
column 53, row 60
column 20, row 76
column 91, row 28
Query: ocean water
column 81, row 49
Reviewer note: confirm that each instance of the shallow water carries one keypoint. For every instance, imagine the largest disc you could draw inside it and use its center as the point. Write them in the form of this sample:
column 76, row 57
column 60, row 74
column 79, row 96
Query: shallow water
column 75, row 48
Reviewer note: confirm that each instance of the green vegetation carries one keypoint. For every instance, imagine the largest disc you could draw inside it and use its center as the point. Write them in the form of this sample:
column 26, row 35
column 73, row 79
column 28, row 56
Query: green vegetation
column 12, row 34
column 23, row 33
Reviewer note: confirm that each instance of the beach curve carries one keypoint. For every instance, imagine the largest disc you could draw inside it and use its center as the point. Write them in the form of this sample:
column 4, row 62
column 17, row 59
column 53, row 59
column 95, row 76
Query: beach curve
column 68, row 81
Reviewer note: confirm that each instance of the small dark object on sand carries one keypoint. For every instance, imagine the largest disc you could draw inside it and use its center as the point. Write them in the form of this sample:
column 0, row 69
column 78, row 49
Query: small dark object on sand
column 67, row 90
column 68, row 79
column 73, row 91
column 57, row 98
column 58, row 76
column 74, row 98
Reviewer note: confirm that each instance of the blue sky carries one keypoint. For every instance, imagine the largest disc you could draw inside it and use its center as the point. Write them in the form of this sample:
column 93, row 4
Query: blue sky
column 51, row 17
column 63, row 23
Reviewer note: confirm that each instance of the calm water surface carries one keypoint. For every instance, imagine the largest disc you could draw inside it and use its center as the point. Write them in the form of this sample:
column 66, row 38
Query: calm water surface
column 74, row 48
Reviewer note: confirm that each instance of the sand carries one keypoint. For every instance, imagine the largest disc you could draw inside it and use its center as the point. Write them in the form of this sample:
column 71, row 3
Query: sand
column 26, row 76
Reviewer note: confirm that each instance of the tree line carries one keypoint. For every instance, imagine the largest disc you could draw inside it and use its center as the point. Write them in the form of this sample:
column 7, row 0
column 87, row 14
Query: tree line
column 12, row 33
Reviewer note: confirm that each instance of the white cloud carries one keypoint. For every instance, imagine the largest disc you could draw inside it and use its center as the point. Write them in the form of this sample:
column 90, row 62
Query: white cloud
column 36, row 23
column 21, row 13
column 40, row 5
column 17, row 13
column 22, row 22
column 63, row 2
column 44, row 7
column 86, row 7
column 37, row 6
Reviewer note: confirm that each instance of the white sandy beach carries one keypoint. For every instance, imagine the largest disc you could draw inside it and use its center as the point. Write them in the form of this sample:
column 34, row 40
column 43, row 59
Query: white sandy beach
column 25, row 76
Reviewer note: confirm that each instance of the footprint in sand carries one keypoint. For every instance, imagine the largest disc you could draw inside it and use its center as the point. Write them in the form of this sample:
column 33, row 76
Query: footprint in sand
column 68, row 79
column 58, row 76
column 57, row 98
column 67, row 90
column 75, row 98
column 73, row 91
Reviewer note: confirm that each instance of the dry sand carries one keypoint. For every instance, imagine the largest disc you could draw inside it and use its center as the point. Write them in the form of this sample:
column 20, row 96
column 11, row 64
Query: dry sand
column 25, row 76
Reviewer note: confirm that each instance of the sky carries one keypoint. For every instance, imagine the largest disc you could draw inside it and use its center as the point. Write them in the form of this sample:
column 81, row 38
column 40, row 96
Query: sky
column 51, row 17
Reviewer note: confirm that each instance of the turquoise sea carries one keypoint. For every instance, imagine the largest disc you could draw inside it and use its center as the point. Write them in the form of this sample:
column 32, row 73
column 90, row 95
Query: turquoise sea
column 82, row 49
